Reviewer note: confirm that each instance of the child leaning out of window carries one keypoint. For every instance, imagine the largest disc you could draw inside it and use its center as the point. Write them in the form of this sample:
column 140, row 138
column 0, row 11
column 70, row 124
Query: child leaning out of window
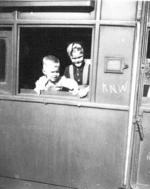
column 52, row 79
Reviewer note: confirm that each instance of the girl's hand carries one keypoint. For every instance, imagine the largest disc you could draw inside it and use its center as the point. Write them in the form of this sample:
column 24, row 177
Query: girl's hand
column 83, row 92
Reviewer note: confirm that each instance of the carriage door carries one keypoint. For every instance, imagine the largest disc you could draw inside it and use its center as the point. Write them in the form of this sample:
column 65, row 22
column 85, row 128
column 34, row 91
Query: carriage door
column 140, row 177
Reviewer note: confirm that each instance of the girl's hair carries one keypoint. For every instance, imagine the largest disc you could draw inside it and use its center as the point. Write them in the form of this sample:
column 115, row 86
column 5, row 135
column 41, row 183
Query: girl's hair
column 75, row 46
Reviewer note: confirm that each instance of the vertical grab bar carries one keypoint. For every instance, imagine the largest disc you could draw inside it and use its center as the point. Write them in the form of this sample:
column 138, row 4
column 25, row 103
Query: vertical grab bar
column 132, row 103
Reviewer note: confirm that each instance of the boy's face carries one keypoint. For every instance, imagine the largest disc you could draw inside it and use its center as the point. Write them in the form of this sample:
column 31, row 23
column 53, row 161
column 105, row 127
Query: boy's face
column 51, row 72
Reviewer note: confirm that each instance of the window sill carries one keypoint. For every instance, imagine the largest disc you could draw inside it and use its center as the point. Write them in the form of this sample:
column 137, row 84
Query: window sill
column 48, row 97
column 61, row 100
column 50, row 94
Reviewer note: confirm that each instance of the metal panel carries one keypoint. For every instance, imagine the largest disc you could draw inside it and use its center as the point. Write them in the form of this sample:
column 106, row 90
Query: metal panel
column 118, row 10
column 140, row 169
column 115, row 42
column 62, row 145
column 143, row 174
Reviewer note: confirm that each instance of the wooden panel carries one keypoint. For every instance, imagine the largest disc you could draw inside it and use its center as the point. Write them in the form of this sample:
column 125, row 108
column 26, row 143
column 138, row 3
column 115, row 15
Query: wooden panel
column 62, row 145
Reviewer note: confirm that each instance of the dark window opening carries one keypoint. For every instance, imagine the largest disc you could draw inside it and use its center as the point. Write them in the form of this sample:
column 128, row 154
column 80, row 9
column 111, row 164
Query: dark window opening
column 48, row 9
column 146, row 89
column 2, row 59
column 35, row 43
column 5, row 60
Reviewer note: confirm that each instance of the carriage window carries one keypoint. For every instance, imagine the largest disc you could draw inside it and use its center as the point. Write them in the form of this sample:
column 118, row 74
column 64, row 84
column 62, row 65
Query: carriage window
column 38, row 42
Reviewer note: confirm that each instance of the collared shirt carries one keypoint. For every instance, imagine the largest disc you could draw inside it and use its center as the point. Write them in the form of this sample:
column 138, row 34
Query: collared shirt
column 43, row 84
column 78, row 73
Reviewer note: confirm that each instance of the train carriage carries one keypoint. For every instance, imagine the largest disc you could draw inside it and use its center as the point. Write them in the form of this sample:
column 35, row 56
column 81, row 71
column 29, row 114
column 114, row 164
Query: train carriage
column 56, row 140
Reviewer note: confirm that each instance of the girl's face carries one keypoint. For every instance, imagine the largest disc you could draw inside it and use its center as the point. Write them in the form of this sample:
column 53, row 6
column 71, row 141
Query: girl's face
column 76, row 55
column 77, row 58
column 51, row 72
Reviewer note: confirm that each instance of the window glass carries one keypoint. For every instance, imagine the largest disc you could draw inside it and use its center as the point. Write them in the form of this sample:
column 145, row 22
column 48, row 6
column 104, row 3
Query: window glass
column 37, row 42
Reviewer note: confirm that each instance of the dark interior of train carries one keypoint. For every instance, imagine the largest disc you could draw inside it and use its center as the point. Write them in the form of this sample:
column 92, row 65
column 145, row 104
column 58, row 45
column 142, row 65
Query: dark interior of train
column 2, row 59
column 37, row 42
column 4, row 52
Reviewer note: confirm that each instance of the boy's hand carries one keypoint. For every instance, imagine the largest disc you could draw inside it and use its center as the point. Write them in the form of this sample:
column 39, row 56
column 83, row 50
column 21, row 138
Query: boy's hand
column 40, row 85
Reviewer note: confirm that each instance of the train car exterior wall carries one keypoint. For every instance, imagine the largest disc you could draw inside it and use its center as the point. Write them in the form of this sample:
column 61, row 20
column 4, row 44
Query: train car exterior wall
column 64, row 142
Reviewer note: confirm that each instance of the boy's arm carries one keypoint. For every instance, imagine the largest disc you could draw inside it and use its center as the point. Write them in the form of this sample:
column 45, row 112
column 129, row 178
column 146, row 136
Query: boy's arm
column 40, row 85
column 70, row 84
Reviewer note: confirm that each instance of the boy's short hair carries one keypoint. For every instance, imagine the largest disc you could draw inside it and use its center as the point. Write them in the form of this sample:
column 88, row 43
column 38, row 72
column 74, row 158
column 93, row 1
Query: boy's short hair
column 51, row 60
column 74, row 47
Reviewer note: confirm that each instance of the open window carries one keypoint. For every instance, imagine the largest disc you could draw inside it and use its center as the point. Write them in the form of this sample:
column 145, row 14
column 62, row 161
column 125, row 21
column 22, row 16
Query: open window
column 39, row 41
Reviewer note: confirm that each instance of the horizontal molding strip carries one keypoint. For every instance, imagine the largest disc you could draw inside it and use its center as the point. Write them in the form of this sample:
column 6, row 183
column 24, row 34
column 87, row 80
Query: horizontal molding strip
column 66, row 22
column 66, row 102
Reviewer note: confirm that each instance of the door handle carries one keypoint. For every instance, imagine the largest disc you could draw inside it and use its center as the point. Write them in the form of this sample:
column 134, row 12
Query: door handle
column 139, row 127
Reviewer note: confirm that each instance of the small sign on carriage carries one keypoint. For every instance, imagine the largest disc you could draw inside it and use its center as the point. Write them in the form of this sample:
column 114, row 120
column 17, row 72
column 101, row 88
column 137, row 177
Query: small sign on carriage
column 114, row 65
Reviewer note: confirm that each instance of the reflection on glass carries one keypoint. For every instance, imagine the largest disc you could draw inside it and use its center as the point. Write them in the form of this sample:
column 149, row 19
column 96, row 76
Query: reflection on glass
column 2, row 59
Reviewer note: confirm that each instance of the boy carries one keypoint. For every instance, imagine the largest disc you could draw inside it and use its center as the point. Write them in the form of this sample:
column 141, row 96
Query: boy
column 52, row 80
column 79, row 70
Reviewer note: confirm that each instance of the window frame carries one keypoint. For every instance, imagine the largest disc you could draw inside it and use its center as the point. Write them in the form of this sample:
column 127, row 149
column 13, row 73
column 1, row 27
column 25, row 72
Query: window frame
column 51, row 95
